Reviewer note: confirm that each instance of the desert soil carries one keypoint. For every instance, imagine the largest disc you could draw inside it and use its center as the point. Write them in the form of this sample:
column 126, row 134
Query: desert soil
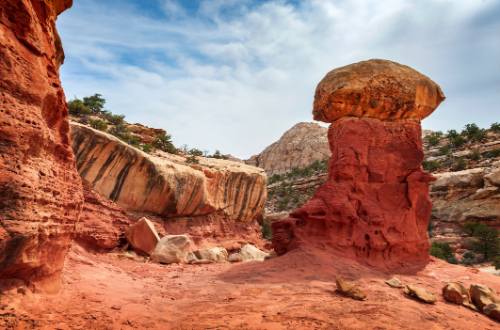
column 296, row 291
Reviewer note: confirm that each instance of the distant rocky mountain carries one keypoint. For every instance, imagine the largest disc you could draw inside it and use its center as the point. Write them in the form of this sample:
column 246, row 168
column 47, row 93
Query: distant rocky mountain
column 299, row 147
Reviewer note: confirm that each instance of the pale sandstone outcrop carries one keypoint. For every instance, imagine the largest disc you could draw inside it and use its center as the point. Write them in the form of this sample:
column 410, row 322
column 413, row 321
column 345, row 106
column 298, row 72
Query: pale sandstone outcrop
column 40, row 190
column 298, row 147
column 167, row 186
column 460, row 197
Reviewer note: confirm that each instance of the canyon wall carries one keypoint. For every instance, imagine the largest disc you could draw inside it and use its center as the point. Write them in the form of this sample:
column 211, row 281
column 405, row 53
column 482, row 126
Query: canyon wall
column 168, row 186
column 40, row 190
column 375, row 205
column 300, row 146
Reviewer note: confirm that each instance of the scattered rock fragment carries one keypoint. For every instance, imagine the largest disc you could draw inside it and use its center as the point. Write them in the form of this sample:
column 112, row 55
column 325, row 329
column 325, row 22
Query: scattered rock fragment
column 215, row 254
column 456, row 293
column 394, row 283
column 173, row 249
column 420, row 294
column 349, row 289
column 481, row 295
column 492, row 311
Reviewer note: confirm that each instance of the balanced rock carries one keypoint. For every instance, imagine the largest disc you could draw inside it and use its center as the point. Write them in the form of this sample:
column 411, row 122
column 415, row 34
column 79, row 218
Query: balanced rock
column 40, row 190
column 142, row 236
column 174, row 249
column 375, row 205
column 420, row 294
column 349, row 289
column 481, row 295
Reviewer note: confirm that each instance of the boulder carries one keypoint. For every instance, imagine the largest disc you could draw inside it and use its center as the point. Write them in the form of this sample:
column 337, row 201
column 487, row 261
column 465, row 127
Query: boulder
column 349, row 289
column 142, row 236
column 174, row 249
column 492, row 311
column 249, row 252
column 235, row 257
column 456, row 293
column 215, row 254
column 376, row 89
column 482, row 295
column 375, row 175
column 420, row 294
column 40, row 191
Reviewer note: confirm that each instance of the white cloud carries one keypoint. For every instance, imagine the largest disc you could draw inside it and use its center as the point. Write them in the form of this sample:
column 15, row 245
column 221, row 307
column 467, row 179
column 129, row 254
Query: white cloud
column 237, row 81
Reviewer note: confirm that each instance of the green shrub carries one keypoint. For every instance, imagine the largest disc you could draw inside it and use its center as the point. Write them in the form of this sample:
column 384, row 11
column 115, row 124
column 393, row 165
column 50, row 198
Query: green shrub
column 475, row 155
column 217, row 154
column 452, row 134
column 433, row 138
column 192, row 160
column 98, row 124
column 95, row 103
column 164, row 143
column 459, row 164
column 457, row 141
column 469, row 258
column 114, row 119
column 147, row 148
column 431, row 165
column 274, row 178
column 267, row 231
column 474, row 133
column 441, row 251
column 120, row 131
column 488, row 242
column 195, row 152
column 76, row 107
column 444, row 150
column 495, row 127
column 496, row 262
column 492, row 154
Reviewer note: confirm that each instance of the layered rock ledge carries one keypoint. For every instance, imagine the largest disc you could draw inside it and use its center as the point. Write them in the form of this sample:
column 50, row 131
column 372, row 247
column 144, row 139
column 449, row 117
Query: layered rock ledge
column 213, row 191
column 40, row 190
column 375, row 205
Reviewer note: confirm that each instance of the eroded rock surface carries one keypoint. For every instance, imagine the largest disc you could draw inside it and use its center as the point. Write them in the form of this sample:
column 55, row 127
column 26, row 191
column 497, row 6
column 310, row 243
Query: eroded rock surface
column 300, row 146
column 375, row 205
column 40, row 190
column 167, row 187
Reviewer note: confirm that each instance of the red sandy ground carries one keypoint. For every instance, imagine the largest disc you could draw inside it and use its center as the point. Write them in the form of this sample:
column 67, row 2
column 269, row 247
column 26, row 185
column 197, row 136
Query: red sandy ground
column 295, row 291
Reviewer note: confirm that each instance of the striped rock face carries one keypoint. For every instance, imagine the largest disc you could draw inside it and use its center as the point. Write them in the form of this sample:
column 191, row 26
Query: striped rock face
column 40, row 190
column 167, row 187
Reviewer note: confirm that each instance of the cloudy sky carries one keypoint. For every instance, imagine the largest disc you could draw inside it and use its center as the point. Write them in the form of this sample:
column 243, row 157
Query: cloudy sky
column 235, row 74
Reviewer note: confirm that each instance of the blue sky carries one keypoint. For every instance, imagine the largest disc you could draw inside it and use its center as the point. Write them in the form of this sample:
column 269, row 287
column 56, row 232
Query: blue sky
column 234, row 75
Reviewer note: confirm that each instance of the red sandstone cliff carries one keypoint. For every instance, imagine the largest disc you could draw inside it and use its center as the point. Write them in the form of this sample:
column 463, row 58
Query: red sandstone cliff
column 40, row 190
column 375, row 205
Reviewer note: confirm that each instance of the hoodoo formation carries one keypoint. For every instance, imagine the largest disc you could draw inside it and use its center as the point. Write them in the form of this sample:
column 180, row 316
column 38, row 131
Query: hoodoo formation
column 40, row 190
column 375, row 205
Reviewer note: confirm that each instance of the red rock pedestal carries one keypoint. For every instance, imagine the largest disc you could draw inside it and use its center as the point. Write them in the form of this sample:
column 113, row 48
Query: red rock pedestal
column 40, row 189
column 375, row 206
